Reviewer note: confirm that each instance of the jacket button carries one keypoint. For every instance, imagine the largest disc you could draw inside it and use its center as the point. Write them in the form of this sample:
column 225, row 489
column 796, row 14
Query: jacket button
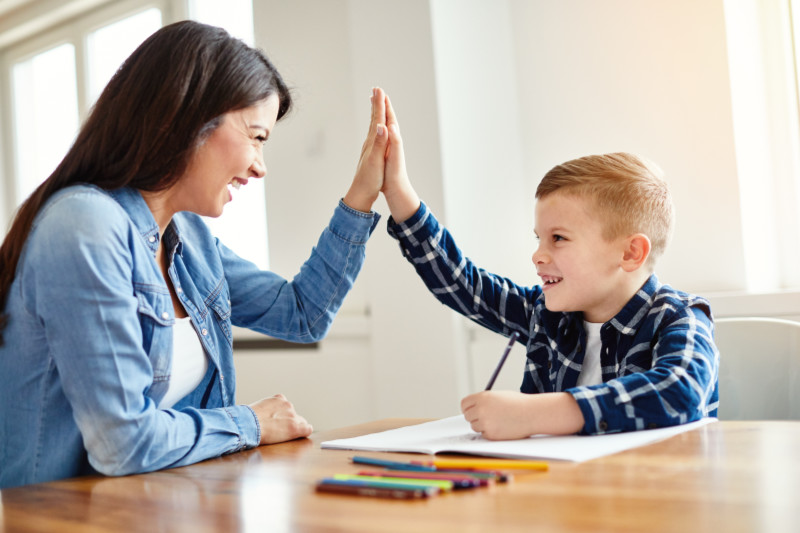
column 165, row 315
column 204, row 332
column 603, row 425
column 152, row 238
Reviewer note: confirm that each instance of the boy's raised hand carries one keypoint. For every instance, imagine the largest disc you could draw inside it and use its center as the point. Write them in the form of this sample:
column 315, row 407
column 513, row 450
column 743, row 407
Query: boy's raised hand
column 401, row 197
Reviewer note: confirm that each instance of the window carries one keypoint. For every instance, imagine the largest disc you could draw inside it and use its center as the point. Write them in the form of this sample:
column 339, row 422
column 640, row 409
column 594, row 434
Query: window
column 763, row 51
column 110, row 45
column 43, row 117
column 78, row 58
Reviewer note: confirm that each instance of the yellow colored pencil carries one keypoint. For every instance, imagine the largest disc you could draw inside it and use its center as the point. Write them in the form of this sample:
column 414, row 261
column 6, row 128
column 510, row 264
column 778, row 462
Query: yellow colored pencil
column 487, row 464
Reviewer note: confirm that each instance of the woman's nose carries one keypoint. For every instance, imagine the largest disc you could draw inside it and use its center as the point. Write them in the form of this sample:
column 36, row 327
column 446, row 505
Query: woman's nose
column 259, row 168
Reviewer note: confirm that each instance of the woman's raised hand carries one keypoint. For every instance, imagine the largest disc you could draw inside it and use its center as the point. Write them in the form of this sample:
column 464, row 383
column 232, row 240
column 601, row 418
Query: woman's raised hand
column 368, row 180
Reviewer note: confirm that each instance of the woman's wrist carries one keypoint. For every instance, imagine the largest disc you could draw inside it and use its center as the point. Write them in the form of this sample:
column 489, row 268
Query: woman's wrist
column 359, row 201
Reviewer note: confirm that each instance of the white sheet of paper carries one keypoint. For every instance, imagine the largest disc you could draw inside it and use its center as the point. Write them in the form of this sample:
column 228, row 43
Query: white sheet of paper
column 455, row 435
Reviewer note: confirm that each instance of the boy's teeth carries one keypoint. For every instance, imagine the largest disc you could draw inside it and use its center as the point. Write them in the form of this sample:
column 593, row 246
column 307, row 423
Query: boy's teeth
column 236, row 184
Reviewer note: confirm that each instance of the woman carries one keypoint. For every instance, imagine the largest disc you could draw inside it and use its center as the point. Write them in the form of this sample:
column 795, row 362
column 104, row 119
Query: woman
column 118, row 303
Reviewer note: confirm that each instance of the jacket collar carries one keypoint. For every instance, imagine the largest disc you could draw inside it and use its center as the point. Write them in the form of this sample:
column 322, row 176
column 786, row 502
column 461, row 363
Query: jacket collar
column 134, row 205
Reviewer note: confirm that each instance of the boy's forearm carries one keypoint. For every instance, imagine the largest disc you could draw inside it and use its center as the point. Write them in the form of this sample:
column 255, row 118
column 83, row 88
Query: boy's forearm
column 555, row 413
column 508, row 415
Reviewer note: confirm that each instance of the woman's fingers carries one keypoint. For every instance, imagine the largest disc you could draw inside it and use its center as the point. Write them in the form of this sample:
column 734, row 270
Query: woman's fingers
column 377, row 123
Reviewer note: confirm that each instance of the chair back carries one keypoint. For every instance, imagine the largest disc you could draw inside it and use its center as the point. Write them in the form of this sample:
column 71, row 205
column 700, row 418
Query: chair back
column 759, row 375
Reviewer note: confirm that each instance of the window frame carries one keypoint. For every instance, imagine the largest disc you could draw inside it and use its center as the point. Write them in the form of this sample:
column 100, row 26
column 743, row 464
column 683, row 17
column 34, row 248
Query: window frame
column 74, row 31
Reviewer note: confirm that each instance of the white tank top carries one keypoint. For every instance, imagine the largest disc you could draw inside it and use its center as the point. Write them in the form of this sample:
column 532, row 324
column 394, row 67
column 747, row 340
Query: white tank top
column 591, row 372
column 189, row 363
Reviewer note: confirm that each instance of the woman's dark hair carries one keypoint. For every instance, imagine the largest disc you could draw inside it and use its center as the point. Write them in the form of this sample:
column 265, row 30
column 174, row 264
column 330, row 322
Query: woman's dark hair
column 164, row 100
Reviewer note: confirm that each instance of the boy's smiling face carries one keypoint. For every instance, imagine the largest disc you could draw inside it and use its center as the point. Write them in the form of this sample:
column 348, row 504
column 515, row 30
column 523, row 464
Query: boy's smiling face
column 580, row 269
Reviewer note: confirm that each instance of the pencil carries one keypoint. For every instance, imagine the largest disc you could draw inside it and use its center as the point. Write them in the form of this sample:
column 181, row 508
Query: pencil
column 511, row 341
column 440, row 484
column 459, row 481
column 487, row 464
column 377, row 492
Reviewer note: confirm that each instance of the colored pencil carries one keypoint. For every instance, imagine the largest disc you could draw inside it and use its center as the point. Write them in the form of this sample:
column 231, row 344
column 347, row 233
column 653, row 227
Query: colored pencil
column 485, row 464
column 377, row 492
column 397, row 465
column 438, row 483
column 459, row 481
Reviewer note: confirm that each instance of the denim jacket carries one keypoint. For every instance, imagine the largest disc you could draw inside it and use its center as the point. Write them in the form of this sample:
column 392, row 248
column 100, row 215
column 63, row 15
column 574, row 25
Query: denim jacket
column 88, row 347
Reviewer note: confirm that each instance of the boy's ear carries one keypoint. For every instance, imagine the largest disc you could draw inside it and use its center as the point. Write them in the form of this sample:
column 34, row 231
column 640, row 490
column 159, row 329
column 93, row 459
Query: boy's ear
column 637, row 250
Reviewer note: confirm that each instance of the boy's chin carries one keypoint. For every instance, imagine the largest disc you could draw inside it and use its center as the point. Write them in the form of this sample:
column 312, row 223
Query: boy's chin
column 555, row 306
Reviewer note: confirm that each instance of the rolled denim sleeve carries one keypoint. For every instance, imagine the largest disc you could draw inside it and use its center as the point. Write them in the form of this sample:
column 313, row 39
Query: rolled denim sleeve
column 301, row 310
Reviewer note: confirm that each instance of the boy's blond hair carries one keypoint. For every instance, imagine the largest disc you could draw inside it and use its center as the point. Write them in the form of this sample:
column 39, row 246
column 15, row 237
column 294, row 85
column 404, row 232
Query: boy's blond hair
column 628, row 192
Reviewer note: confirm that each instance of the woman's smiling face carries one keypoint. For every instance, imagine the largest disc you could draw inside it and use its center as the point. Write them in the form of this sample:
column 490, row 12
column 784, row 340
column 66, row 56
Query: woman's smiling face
column 229, row 157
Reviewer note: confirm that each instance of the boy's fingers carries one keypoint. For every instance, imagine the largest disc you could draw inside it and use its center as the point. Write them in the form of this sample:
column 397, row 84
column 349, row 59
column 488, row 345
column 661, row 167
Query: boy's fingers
column 391, row 118
column 394, row 151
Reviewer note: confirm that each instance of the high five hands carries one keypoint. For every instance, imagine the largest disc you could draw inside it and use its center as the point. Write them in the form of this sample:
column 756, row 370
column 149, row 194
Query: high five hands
column 382, row 167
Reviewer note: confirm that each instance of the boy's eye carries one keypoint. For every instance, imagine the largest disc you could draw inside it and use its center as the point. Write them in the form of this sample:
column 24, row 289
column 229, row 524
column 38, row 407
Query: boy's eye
column 261, row 139
column 557, row 238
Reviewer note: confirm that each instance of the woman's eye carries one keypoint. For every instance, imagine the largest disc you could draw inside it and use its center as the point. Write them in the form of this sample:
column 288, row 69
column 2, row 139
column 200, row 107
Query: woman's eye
column 557, row 238
column 261, row 139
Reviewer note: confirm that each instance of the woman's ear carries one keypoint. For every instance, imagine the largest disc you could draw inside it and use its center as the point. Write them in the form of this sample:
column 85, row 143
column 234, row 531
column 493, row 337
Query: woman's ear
column 637, row 250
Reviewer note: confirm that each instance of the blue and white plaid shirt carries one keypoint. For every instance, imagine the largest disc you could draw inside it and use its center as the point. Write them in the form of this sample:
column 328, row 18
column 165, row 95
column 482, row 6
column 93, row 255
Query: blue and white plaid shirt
column 659, row 362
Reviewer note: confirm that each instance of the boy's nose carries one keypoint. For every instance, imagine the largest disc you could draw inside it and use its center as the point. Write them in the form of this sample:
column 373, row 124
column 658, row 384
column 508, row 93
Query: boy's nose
column 539, row 257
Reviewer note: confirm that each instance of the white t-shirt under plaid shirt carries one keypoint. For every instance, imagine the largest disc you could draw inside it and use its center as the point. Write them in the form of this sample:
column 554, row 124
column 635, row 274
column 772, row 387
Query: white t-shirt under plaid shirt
column 659, row 363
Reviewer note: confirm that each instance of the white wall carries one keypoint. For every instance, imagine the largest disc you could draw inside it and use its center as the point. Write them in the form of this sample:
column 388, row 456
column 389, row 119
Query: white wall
column 333, row 52
column 648, row 77
column 490, row 95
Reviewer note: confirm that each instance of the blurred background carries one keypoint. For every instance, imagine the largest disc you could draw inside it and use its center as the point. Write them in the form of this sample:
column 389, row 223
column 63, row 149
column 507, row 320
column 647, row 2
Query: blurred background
column 490, row 95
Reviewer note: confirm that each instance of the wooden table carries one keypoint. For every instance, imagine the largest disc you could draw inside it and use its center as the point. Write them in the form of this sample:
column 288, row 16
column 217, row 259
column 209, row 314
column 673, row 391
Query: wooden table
column 723, row 478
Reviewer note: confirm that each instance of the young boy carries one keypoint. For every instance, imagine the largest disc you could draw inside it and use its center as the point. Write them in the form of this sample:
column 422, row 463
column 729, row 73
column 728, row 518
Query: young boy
column 609, row 347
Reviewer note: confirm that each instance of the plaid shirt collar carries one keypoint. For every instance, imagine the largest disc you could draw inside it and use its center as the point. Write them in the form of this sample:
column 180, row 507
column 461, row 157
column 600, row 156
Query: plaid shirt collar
column 630, row 318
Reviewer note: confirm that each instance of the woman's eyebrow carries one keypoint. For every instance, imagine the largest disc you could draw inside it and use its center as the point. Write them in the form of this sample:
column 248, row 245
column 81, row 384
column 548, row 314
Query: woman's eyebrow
column 261, row 128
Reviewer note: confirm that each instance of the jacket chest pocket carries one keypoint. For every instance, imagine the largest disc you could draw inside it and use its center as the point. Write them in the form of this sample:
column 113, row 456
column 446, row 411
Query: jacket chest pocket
column 156, row 316
column 220, row 306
